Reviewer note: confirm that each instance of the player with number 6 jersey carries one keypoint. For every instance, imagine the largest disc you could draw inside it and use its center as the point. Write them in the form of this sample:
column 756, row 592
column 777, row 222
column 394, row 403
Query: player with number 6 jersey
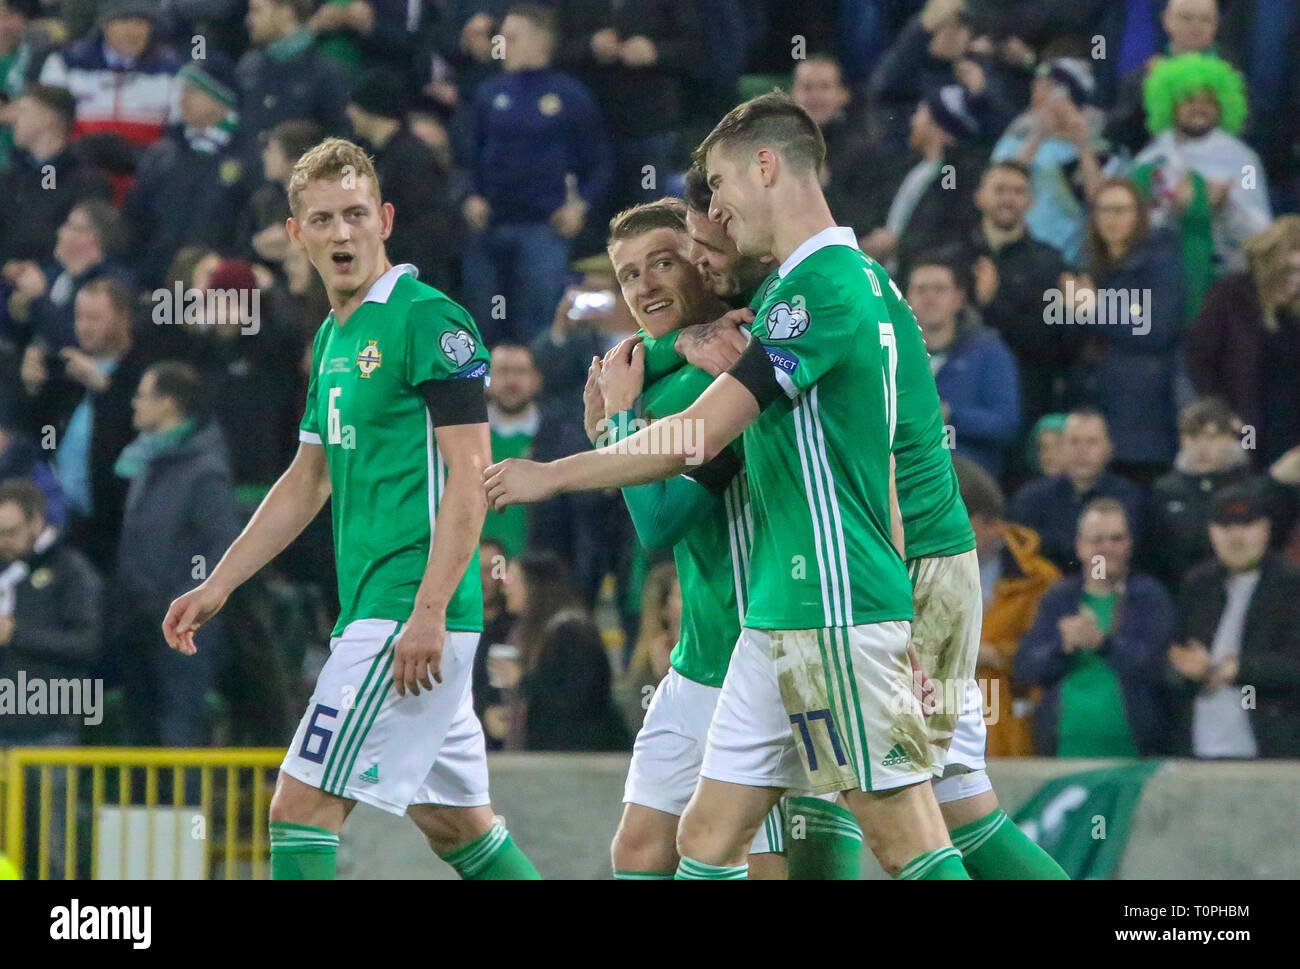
column 394, row 432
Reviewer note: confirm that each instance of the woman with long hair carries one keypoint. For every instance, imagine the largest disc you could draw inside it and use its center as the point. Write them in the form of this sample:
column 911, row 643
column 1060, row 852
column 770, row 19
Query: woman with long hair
column 1245, row 345
column 1131, row 315
column 661, row 618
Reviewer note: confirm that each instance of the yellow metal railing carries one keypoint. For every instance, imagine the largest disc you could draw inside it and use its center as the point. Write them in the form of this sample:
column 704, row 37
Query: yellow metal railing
column 217, row 797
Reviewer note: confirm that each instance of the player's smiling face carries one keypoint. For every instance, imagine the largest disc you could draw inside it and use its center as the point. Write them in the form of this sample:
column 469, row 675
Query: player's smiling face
column 663, row 289
column 738, row 204
column 343, row 228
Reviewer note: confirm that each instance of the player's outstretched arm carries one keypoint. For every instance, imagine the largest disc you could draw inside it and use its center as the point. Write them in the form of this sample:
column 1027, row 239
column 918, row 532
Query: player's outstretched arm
column 667, row 447
column 417, row 658
column 287, row 509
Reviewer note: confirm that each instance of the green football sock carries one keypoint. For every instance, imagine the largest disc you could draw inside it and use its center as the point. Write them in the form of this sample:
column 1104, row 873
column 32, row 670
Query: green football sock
column 824, row 841
column 994, row 848
column 642, row 876
column 299, row 852
column 690, row 870
column 942, row 864
column 493, row 857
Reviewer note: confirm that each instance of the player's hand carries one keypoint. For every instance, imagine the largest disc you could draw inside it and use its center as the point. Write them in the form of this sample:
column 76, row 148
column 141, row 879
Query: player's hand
column 6, row 630
column 188, row 612
column 715, row 347
column 418, row 656
column 622, row 375
column 593, row 403
column 516, row 481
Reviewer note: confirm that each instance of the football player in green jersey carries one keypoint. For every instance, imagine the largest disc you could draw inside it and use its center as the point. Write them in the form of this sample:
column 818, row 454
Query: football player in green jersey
column 703, row 515
column 946, row 598
column 817, row 695
column 395, row 433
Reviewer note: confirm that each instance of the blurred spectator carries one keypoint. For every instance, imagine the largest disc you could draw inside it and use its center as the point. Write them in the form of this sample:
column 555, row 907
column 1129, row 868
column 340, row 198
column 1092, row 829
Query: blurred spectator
column 367, row 33
column 123, row 78
column 1059, row 139
column 191, row 184
column 50, row 633
column 973, row 369
column 1136, row 304
column 490, row 705
column 1046, row 443
column 921, row 58
column 933, row 204
column 569, row 690
column 1051, row 505
column 1245, row 345
column 633, row 58
column 591, row 530
column 49, row 616
column 282, row 76
column 42, row 301
column 537, row 131
column 559, row 688
column 414, row 181
column 1196, row 106
column 246, row 353
column 513, row 417
column 1210, row 458
column 1097, row 649
column 1013, row 273
column 84, row 394
column 21, row 458
column 1238, row 696
column 661, row 620
column 1014, row 577
column 259, row 229
column 179, row 519
column 46, row 179
column 1190, row 26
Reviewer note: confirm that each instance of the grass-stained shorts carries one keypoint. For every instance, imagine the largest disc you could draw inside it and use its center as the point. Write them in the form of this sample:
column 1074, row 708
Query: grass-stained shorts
column 820, row 710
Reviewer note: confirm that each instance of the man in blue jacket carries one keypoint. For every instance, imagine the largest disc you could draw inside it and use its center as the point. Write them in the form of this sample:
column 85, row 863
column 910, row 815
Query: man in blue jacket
column 1097, row 649
column 541, row 162
column 973, row 369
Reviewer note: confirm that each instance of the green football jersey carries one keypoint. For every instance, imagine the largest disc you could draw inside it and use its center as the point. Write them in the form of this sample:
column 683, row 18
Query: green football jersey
column 934, row 519
column 386, row 472
column 712, row 557
column 818, row 459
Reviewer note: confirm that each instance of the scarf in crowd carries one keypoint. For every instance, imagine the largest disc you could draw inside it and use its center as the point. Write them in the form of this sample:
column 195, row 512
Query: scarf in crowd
column 135, row 457
column 210, row 140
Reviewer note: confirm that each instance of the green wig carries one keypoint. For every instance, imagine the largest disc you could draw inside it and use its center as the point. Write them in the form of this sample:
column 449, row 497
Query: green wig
column 1174, row 78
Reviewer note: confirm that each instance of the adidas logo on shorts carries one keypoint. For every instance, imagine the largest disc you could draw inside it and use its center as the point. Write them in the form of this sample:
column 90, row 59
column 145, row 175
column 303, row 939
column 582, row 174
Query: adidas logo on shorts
column 896, row 757
column 372, row 775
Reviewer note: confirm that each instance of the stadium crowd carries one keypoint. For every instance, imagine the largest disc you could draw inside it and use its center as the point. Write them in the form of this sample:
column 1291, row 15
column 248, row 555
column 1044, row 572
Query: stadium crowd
column 1091, row 207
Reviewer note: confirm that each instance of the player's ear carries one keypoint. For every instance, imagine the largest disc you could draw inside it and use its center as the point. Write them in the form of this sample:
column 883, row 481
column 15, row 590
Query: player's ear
column 386, row 215
column 294, row 228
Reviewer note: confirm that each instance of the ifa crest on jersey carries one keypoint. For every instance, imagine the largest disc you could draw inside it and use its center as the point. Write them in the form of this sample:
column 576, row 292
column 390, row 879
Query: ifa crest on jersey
column 786, row 322
column 369, row 359
column 458, row 347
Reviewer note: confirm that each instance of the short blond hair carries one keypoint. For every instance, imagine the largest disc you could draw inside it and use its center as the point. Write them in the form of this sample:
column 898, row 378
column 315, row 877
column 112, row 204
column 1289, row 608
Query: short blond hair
column 332, row 158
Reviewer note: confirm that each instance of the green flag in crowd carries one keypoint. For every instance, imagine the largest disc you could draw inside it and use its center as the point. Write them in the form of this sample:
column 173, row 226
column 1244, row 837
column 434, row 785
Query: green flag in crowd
column 1083, row 820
